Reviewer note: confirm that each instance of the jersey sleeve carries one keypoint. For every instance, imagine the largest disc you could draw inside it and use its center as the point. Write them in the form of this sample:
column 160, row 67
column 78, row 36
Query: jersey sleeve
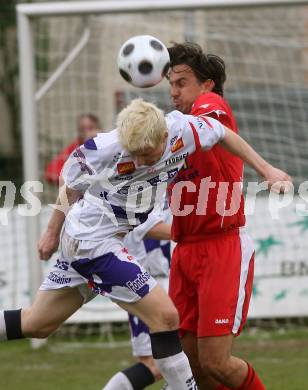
column 193, row 132
column 82, row 166
column 207, row 131
column 211, row 106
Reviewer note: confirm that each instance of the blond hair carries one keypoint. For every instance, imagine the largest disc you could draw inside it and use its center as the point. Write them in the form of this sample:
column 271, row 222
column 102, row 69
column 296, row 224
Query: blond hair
column 140, row 125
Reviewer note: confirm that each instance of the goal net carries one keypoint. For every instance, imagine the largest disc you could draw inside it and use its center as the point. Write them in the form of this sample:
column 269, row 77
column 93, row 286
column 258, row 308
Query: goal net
column 265, row 48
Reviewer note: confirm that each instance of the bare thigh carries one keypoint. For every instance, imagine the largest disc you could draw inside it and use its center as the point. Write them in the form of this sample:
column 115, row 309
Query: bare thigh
column 155, row 309
column 49, row 310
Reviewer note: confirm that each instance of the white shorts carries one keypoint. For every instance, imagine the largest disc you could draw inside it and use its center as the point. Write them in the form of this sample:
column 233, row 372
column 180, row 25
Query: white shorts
column 96, row 267
column 140, row 335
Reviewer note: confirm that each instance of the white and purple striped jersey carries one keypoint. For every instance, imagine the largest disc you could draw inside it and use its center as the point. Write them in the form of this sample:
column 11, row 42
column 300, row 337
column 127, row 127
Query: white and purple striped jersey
column 118, row 194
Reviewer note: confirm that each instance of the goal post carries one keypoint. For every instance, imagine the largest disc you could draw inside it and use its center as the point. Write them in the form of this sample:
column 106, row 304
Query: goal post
column 29, row 138
column 67, row 66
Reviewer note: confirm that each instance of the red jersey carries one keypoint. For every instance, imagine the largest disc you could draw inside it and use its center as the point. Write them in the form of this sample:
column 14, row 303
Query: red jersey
column 224, row 170
column 54, row 168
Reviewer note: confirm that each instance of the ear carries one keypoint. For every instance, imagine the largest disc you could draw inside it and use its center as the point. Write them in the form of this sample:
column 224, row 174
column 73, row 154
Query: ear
column 208, row 85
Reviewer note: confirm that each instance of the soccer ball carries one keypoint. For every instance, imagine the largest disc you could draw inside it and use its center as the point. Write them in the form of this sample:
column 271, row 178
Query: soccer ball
column 143, row 61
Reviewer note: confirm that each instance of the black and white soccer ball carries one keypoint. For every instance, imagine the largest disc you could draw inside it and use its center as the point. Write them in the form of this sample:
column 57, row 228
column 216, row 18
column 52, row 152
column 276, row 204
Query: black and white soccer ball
column 143, row 61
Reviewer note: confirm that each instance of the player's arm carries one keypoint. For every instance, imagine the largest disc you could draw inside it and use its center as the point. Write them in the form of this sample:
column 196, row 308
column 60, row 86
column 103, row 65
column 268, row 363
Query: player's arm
column 239, row 147
column 161, row 231
column 211, row 132
column 49, row 240
column 155, row 226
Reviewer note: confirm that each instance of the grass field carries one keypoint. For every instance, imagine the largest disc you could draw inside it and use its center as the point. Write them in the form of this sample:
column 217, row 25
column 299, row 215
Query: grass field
column 280, row 358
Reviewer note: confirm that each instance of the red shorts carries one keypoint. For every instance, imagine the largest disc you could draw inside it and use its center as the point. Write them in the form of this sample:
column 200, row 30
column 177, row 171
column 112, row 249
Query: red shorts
column 211, row 284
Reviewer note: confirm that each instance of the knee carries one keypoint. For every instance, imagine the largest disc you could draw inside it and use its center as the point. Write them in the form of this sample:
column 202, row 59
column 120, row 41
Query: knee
column 33, row 328
column 169, row 318
column 214, row 367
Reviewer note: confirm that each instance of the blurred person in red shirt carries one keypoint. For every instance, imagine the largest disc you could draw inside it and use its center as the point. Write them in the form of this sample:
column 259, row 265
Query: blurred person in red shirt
column 87, row 127
column 212, row 264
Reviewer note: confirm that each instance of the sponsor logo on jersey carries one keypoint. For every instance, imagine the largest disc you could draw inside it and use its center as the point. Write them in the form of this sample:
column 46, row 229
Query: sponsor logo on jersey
column 163, row 176
column 123, row 190
column 58, row 278
column 173, row 139
column 63, row 265
column 154, row 180
column 139, row 282
column 118, row 156
column 126, row 167
column 123, row 178
column 221, row 321
column 172, row 173
column 176, row 159
column 179, row 144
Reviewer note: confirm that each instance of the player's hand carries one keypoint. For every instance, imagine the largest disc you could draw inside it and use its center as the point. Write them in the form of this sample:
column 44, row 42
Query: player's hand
column 48, row 244
column 278, row 180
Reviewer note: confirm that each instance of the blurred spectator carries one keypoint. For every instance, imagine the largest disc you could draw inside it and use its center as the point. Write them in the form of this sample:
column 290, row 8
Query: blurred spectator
column 88, row 126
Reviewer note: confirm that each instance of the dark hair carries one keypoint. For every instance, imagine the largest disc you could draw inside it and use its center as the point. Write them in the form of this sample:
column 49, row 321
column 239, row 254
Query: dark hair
column 204, row 66
column 92, row 117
